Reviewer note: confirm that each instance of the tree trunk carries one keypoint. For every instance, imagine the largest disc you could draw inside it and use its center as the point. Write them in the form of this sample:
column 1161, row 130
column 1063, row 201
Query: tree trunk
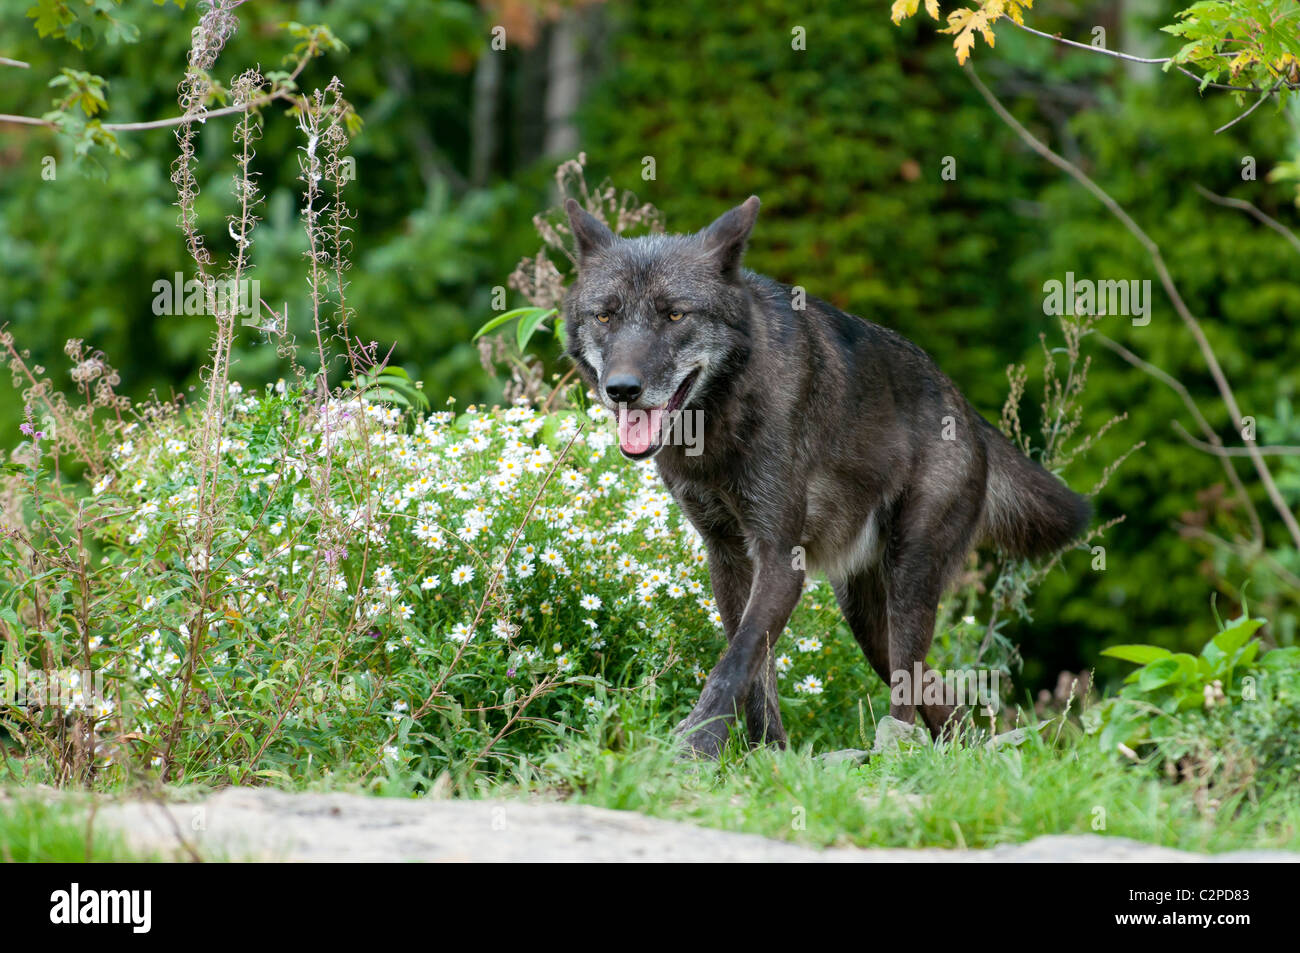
column 483, row 130
column 563, row 86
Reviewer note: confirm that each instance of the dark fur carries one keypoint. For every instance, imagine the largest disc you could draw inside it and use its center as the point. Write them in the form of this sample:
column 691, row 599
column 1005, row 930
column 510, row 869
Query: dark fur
column 824, row 435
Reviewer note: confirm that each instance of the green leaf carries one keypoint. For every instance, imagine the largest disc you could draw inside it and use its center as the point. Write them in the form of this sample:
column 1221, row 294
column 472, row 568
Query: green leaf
column 1187, row 666
column 530, row 323
column 500, row 319
column 1158, row 674
column 51, row 17
column 389, row 394
column 1121, row 728
column 1235, row 635
column 1281, row 660
column 1139, row 654
column 1245, row 655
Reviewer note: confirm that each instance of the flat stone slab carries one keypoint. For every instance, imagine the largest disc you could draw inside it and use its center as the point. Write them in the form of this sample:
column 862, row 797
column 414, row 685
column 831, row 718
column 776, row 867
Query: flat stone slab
column 265, row 824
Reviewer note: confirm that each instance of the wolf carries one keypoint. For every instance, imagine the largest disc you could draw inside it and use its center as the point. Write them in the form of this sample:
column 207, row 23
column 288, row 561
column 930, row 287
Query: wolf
column 829, row 443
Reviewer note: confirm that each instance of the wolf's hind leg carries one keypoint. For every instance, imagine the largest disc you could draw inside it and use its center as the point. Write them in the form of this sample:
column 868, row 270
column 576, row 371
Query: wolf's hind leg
column 862, row 597
column 928, row 546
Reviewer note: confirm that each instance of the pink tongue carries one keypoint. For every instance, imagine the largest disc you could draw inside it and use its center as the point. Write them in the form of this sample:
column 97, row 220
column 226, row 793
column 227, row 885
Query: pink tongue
column 637, row 429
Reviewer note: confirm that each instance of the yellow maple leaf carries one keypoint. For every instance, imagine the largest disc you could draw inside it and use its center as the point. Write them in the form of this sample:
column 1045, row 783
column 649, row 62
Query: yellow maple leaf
column 902, row 9
column 1015, row 9
column 965, row 23
column 1288, row 66
column 1242, row 60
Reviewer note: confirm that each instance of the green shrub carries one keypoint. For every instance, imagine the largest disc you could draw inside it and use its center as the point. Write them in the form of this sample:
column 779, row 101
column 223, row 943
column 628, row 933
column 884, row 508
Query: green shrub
column 1226, row 720
column 352, row 620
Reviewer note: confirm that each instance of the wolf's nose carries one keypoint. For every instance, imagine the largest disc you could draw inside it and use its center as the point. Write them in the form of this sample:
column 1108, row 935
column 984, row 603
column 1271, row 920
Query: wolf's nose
column 623, row 388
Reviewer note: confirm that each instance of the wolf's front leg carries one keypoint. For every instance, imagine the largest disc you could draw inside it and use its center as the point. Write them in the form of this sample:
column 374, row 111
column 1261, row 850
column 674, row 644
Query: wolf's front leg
column 774, row 593
column 732, row 575
column 763, row 706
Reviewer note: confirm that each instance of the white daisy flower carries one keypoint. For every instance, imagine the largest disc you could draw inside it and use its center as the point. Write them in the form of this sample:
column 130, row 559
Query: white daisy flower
column 811, row 685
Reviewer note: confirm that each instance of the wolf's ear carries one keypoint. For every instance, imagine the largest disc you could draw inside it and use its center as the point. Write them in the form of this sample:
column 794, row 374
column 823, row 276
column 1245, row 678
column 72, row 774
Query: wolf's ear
column 725, row 239
column 590, row 233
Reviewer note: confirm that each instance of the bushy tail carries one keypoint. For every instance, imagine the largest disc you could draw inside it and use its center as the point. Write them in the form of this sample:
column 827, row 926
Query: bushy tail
column 1028, row 512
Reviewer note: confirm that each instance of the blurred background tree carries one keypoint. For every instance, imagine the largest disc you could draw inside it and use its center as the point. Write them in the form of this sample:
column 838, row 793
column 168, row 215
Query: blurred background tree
column 842, row 122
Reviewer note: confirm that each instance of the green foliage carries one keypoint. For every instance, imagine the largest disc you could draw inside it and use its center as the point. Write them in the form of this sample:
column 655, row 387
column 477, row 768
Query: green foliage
column 1235, row 276
column 389, row 600
column 426, row 261
column 530, row 321
column 83, row 23
column 1178, row 681
column 390, row 385
column 313, row 39
column 1225, row 719
column 82, row 90
column 35, row 831
column 1242, row 42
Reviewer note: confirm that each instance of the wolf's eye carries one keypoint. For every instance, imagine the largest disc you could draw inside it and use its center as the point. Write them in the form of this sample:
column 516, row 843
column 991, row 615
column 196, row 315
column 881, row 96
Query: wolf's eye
column 676, row 315
column 603, row 318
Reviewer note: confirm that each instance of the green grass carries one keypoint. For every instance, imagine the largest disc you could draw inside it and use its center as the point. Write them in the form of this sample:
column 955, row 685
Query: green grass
column 928, row 797
column 33, row 830
column 944, row 796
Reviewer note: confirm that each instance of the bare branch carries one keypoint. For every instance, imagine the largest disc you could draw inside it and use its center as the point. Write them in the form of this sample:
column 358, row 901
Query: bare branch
column 1223, row 451
column 25, row 120
column 1167, row 282
column 1249, row 209
column 1056, row 37
column 1154, row 61
column 283, row 92
column 1255, row 105
column 1177, row 386
column 1218, row 542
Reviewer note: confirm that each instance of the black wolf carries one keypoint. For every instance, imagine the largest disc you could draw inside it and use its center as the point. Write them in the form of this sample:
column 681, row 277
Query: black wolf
column 829, row 443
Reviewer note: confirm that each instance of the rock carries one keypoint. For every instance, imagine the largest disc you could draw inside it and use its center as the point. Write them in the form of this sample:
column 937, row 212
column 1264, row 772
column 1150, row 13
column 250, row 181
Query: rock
column 853, row 755
column 910, row 803
column 1008, row 739
column 264, row 824
column 892, row 734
